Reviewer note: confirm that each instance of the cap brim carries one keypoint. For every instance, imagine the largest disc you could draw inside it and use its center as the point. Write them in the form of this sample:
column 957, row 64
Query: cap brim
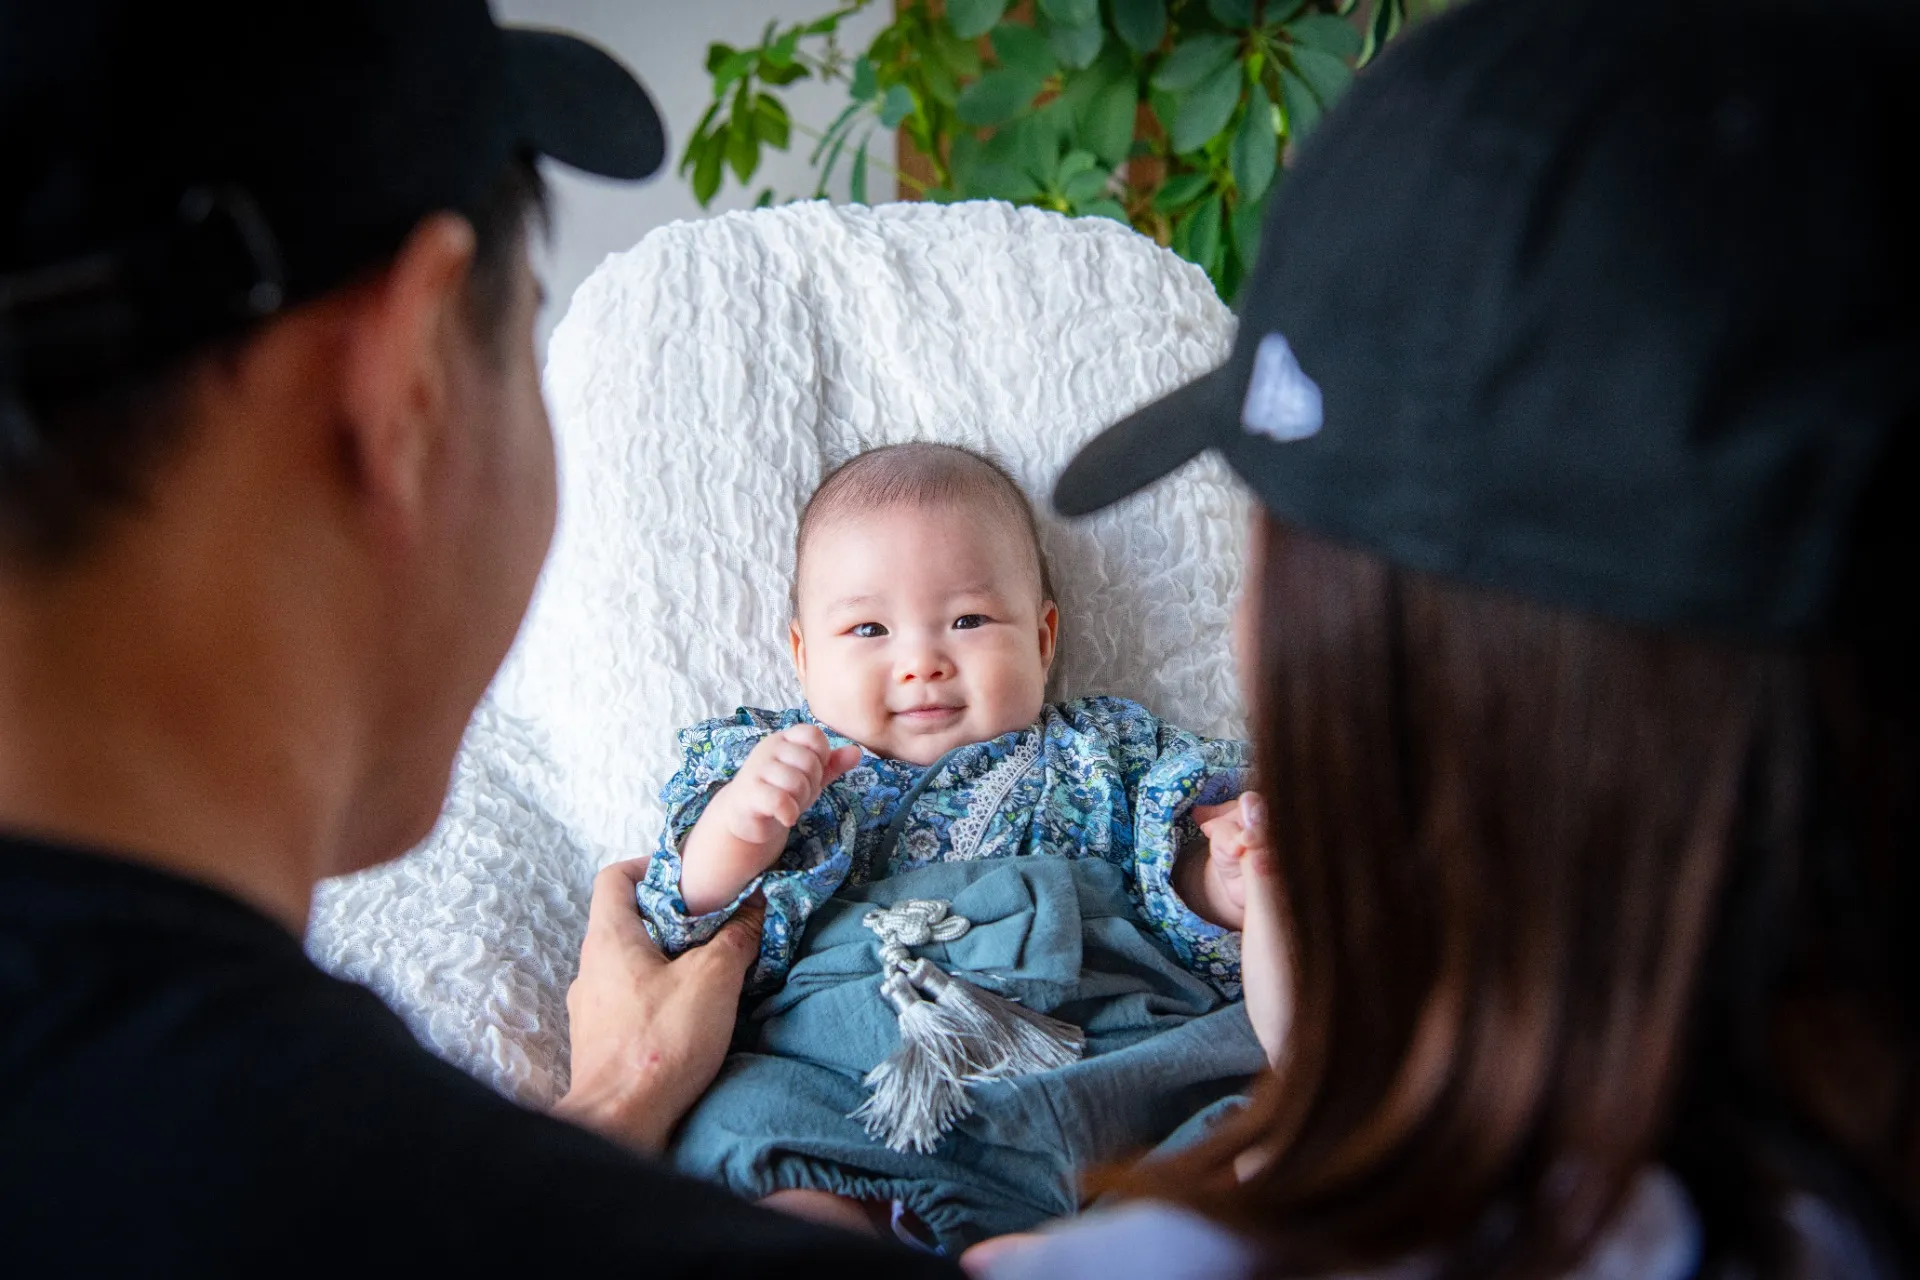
column 1153, row 441
column 577, row 104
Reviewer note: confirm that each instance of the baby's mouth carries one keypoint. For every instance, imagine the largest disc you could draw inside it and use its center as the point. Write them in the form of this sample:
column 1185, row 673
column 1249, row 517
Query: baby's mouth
column 940, row 713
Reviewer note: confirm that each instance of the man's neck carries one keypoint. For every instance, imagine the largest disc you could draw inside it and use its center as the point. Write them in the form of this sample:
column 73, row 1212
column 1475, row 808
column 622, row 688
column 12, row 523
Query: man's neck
column 140, row 717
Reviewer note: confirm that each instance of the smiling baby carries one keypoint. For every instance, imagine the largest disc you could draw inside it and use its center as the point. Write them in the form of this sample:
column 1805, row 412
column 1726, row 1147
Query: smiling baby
column 999, row 945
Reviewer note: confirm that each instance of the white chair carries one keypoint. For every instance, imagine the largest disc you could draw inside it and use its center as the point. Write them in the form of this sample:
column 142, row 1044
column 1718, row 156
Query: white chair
column 701, row 384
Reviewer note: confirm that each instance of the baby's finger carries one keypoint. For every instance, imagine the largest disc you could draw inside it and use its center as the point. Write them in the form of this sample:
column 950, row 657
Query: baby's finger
column 842, row 759
column 809, row 738
column 795, row 756
column 1202, row 814
column 789, row 779
column 776, row 803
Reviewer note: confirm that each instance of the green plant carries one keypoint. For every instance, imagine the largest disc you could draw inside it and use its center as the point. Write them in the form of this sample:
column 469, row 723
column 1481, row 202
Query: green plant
column 1043, row 105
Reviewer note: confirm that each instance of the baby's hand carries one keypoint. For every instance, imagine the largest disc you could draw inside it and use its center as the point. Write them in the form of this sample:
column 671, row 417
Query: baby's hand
column 779, row 781
column 1232, row 830
column 746, row 823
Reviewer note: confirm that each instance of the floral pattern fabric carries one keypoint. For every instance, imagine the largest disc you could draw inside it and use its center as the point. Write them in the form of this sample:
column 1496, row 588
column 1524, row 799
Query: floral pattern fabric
column 1093, row 778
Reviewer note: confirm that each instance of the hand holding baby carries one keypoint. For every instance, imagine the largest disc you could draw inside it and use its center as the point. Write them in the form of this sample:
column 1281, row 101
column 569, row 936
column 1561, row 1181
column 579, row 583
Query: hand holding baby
column 1215, row 885
column 746, row 823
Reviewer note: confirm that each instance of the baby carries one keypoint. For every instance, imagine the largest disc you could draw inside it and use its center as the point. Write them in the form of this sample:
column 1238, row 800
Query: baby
column 1000, row 936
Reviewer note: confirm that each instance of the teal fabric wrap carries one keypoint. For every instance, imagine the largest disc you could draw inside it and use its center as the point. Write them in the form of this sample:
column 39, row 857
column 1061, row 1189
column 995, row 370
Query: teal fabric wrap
column 1060, row 935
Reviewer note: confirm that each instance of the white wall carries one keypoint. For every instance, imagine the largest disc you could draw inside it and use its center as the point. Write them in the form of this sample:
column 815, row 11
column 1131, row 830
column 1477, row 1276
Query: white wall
column 665, row 42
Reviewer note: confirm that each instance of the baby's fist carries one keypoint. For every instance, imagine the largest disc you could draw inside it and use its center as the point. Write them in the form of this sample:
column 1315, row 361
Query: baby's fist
column 1232, row 830
column 780, row 780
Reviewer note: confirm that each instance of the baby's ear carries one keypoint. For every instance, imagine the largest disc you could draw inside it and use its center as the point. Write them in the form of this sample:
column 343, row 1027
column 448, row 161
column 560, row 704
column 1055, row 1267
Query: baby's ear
column 1049, row 632
column 798, row 644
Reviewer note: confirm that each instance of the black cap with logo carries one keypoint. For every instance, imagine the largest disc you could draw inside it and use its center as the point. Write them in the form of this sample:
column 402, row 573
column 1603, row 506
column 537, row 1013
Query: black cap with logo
column 1610, row 303
column 176, row 170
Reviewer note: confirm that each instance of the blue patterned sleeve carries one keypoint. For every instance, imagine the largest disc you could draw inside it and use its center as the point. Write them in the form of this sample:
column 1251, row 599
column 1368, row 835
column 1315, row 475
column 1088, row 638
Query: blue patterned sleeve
column 1168, row 771
column 810, row 869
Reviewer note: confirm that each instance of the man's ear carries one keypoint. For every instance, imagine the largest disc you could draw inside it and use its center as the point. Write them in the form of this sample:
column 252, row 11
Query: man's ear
column 798, row 643
column 401, row 340
column 1049, row 632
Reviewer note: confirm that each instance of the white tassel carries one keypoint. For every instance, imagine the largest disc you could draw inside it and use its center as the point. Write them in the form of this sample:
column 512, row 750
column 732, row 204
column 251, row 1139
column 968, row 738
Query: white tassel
column 961, row 1034
column 1004, row 1037
column 920, row 1091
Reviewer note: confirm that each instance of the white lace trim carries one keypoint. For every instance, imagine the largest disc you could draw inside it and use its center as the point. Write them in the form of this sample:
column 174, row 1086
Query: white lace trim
column 990, row 793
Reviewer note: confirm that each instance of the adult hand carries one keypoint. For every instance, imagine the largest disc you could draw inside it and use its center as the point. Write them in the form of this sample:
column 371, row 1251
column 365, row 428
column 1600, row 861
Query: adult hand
column 648, row 1033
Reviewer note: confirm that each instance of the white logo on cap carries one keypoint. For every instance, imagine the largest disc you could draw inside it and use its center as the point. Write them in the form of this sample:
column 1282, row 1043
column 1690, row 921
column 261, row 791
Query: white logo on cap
column 1282, row 401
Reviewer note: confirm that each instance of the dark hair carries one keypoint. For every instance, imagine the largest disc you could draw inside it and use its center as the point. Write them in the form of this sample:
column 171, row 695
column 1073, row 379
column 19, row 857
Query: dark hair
column 67, row 465
column 1566, row 899
column 920, row 473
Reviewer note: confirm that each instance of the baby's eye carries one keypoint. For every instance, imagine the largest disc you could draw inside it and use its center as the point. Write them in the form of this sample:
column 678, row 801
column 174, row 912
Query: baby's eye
column 968, row 621
column 867, row 630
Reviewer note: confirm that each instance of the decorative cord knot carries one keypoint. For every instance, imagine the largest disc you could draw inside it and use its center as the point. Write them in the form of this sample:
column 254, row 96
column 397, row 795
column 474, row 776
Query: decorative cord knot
column 952, row 1033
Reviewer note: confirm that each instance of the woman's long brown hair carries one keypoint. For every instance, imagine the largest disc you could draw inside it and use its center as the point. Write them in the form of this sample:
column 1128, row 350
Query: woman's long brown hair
column 1566, row 899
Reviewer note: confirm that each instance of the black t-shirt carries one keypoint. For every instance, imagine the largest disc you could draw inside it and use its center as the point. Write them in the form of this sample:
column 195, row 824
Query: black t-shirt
column 183, row 1093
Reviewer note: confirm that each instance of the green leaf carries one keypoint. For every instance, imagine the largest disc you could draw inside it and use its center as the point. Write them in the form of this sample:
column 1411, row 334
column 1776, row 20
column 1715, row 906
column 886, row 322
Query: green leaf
column 1074, row 163
column 731, row 68
column 1279, row 11
column 1256, row 149
column 971, row 19
column 780, row 52
column 771, row 124
column 958, row 56
column 824, row 26
column 857, row 181
column 1077, row 46
column 706, row 170
column 1106, row 125
column 1082, row 187
column 1327, row 75
column 866, row 81
column 743, row 144
column 897, row 106
column 1181, row 189
column 1303, row 108
column 1248, row 219
column 999, row 182
column 997, row 97
column 699, row 139
column 1106, row 209
column 834, row 131
column 1203, row 232
column 1326, row 33
column 1194, row 60
column 1206, row 110
column 1024, row 50
column 1383, row 25
column 784, row 75
column 1141, row 23
column 765, row 199
column 1072, row 13
column 1231, row 13
column 717, row 55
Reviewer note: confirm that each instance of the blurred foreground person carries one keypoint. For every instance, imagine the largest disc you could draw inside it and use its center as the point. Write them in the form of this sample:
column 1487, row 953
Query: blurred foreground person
column 1579, row 382
column 275, row 482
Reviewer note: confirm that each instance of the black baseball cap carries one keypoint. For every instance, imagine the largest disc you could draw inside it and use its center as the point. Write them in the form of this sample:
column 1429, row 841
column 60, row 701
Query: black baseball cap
column 175, row 169
column 1613, row 304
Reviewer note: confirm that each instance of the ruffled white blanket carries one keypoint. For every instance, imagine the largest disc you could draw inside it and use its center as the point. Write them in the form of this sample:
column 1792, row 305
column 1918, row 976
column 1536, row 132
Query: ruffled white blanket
column 701, row 383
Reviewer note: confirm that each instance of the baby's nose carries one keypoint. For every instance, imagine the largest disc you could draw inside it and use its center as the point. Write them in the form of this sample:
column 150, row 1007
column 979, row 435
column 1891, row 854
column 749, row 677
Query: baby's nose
column 924, row 662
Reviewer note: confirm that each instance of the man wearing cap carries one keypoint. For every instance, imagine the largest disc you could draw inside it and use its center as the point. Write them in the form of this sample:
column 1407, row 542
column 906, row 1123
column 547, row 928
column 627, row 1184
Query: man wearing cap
column 275, row 482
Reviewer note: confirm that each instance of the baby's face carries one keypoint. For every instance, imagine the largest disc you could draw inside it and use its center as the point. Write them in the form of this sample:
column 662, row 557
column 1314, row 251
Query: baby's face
column 921, row 629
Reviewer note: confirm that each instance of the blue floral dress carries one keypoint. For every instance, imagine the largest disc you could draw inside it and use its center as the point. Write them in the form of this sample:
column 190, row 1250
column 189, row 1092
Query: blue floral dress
column 1094, row 778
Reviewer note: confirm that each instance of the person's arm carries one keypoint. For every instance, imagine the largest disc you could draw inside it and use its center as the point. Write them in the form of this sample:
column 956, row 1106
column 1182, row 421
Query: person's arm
column 648, row 1034
column 745, row 825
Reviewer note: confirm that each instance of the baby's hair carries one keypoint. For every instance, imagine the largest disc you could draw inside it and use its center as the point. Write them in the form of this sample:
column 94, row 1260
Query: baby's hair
column 919, row 474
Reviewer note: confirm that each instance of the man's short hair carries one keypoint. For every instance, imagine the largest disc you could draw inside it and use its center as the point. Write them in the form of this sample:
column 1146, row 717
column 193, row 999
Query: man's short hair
column 69, row 465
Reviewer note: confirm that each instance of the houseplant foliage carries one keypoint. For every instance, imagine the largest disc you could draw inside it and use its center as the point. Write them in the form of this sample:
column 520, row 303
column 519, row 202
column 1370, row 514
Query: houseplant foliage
column 1172, row 116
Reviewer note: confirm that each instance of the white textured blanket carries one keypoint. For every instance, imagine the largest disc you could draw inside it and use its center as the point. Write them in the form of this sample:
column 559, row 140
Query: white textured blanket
column 701, row 383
